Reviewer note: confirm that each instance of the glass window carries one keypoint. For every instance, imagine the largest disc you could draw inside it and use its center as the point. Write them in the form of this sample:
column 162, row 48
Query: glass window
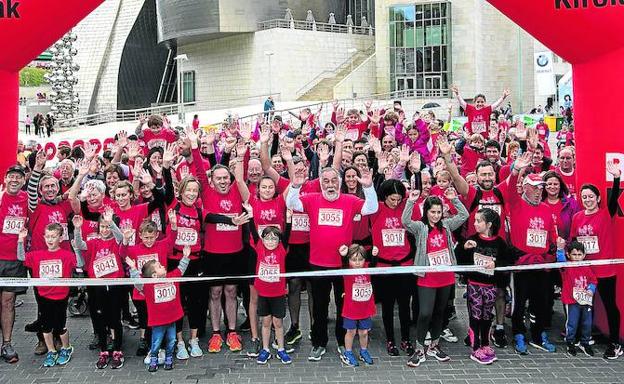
column 188, row 86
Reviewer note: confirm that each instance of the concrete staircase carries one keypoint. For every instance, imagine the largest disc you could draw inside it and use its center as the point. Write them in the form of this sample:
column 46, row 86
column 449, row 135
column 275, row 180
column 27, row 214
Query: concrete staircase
column 323, row 89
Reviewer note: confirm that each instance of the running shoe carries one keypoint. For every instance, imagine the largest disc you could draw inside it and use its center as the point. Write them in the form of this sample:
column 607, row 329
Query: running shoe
column 215, row 343
column 153, row 364
column 102, row 360
column 316, row 353
column 417, row 358
column 50, row 360
column 263, row 357
column 366, row 357
column 253, row 348
column 234, row 342
column 520, row 344
column 481, row 357
column 64, row 355
column 490, row 352
column 195, row 349
column 448, row 335
column 284, row 357
column 544, row 344
column 613, row 351
column 8, row 353
column 392, row 348
column 117, row 361
column 182, row 353
column 437, row 353
column 292, row 336
column 587, row 349
column 168, row 363
column 498, row 338
column 348, row 358
column 571, row 349
column 41, row 348
column 407, row 347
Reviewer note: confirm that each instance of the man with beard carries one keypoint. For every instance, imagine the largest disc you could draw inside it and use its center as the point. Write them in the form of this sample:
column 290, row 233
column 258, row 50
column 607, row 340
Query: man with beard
column 492, row 154
column 13, row 211
column 566, row 168
column 331, row 217
column 485, row 195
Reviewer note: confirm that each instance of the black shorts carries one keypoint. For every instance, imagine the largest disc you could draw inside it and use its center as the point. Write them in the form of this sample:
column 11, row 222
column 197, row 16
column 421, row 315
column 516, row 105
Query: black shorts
column 12, row 268
column 272, row 306
column 298, row 258
column 53, row 315
column 224, row 264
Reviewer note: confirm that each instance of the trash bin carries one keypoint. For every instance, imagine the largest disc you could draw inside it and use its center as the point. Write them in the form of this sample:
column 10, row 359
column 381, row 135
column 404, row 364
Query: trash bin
column 553, row 123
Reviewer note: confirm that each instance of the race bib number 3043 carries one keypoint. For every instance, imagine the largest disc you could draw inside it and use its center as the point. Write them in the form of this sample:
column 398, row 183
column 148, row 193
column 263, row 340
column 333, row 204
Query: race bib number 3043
column 12, row 225
column 51, row 269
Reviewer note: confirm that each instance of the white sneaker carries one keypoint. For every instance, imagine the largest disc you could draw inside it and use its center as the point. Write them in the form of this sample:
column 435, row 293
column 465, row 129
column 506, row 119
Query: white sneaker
column 195, row 349
column 428, row 339
column 182, row 353
column 448, row 335
column 147, row 359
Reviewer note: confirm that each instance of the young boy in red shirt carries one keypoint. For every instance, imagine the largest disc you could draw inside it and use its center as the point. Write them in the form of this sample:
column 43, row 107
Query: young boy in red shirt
column 51, row 263
column 164, row 306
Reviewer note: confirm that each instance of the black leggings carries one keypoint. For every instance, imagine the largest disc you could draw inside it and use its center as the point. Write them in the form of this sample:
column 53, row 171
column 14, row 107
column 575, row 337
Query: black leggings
column 431, row 305
column 194, row 296
column 606, row 289
column 393, row 289
column 105, row 312
column 141, row 308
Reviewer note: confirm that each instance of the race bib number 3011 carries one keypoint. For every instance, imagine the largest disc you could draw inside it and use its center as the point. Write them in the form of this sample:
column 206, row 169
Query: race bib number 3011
column 536, row 238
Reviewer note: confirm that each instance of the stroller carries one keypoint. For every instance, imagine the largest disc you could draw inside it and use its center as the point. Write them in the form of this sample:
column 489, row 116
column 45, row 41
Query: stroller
column 78, row 305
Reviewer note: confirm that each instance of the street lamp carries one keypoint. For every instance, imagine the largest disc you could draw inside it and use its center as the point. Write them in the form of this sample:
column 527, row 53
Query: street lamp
column 352, row 52
column 269, row 54
column 179, row 59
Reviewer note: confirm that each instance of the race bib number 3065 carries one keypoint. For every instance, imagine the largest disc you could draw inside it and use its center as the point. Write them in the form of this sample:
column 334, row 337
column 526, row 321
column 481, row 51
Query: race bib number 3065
column 331, row 217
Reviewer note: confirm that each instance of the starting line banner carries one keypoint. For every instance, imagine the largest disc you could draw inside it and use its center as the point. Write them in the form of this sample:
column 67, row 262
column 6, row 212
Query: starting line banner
column 80, row 282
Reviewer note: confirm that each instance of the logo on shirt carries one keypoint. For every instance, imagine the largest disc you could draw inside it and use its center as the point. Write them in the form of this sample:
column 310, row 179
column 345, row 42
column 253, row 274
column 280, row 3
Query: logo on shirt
column 184, row 221
column 436, row 240
column 15, row 210
column 226, row 205
column 268, row 214
column 393, row 222
column 270, row 258
column 55, row 217
column 536, row 223
column 125, row 224
column 361, row 280
column 580, row 282
column 586, row 230
column 103, row 252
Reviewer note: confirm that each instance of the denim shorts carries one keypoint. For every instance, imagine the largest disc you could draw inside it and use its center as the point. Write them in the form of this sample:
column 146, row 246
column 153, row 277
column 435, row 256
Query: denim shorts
column 364, row 324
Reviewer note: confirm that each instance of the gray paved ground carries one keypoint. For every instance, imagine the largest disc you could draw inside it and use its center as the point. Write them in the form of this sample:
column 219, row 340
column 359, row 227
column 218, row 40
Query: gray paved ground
column 226, row 367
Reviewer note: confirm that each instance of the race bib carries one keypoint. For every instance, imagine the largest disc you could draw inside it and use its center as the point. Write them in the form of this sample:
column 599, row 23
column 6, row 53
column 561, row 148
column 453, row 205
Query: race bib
column 582, row 296
column 143, row 259
column 536, row 238
column 441, row 257
column 331, row 217
column 164, row 293
column 300, row 222
column 269, row 273
column 590, row 243
column 362, row 291
column 156, row 143
column 478, row 126
column 481, row 261
column 105, row 266
column 13, row 225
column 186, row 236
column 495, row 207
column 50, row 269
column 352, row 134
column 393, row 237
column 226, row 227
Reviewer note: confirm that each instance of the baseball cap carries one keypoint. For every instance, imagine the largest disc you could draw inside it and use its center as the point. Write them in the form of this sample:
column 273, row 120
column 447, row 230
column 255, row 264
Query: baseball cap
column 533, row 179
column 16, row 168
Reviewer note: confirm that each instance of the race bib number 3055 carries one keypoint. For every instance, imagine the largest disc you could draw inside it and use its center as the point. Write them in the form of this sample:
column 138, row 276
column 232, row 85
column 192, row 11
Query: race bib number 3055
column 186, row 236
column 361, row 292
column 331, row 217
column 269, row 273
column 300, row 222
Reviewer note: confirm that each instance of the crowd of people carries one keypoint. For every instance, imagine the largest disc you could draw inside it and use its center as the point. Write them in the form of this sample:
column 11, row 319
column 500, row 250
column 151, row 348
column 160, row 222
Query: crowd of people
column 368, row 188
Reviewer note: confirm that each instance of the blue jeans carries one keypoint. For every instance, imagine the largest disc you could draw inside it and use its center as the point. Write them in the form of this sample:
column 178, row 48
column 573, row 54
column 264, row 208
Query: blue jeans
column 578, row 316
column 168, row 332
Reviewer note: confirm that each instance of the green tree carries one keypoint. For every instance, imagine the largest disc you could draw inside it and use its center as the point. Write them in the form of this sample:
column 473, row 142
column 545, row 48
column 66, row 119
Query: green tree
column 32, row 77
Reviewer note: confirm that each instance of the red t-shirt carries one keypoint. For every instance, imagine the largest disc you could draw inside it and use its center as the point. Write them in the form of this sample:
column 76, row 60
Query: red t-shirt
column 533, row 228
column 542, row 130
column 596, row 233
column 359, row 301
column 185, row 168
column 269, row 264
column 189, row 220
column 46, row 214
column 469, row 160
column 488, row 200
column 439, row 254
column 132, row 218
column 389, row 235
column 223, row 238
column 164, row 305
column 47, row 264
column 141, row 254
column 13, row 213
column 331, row 225
column 160, row 139
column 102, row 259
column 361, row 227
column 272, row 212
column 570, row 180
column 282, row 184
column 575, row 279
column 478, row 120
column 300, row 232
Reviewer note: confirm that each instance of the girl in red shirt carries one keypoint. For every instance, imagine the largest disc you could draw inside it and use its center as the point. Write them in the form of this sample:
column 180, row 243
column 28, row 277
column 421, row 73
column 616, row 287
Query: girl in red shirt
column 479, row 113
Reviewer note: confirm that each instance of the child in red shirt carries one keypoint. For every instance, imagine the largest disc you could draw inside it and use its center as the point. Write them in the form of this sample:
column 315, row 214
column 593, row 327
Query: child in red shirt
column 359, row 304
column 577, row 294
column 271, row 287
column 164, row 306
column 50, row 264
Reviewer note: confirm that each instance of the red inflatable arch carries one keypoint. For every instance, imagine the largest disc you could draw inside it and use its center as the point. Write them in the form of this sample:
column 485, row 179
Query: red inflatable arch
column 590, row 35
column 28, row 28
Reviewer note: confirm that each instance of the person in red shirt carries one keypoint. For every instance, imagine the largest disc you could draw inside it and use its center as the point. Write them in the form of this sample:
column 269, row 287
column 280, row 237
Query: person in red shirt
column 390, row 238
column 54, row 262
column 102, row 260
column 543, row 131
column 270, row 243
column 533, row 233
column 577, row 294
column 479, row 113
column 566, row 168
column 331, row 225
column 155, row 135
column 593, row 227
column 434, row 247
column 164, row 305
column 13, row 215
column 359, row 304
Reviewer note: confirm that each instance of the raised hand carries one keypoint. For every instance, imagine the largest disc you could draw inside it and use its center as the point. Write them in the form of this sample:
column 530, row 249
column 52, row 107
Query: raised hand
column 145, row 177
column 414, row 195
column 374, row 144
column 506, row 93
column 415, row 161
column 208, row 138
column 613, row 169
column 323, row 154
column 40, row 160
column 138, row 166
column 455, row 90
column 376, row 117
column 22, row 235
column 129, row 262
column 343, row 250
column 340, row 115
column 133, row 149
column 107, row 216
column 83, row 167
column 122, row 139
column 241, row 150
column 265, row 134
column 230, row 143
column 366, row 180
column 450, row 193
column 286, row 154
column 77, row 221
column 191, row 134
column 173, row 218
column 470, row 244
column 142, row 118
column 444, row 146
column 245, row 131
column 170, row 154
column 241, row 219
column 523, row 160
column 341, row 133
column 404, row 156
column 335, row 104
